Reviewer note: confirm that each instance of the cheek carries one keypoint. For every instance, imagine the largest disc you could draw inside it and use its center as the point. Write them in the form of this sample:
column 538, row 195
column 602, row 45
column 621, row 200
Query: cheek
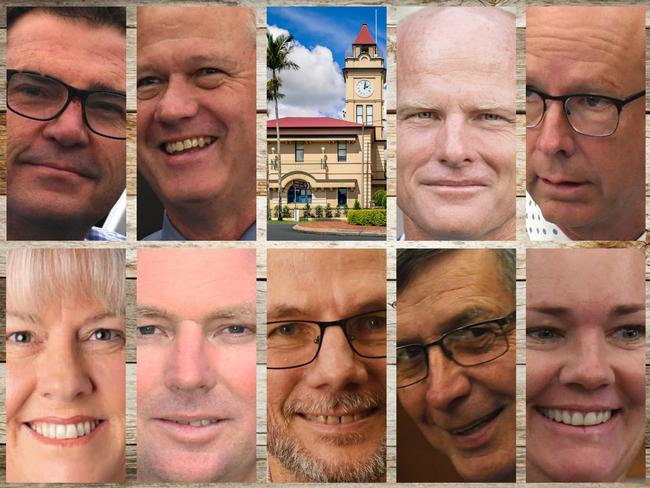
column 413, row 401
column 631, row 377
column 414, row 148
column 151, row 364
column 107, row 373
column 21, row 132
column 21, row 384
column 236, row 367
column 541, row 368
column 280, row 386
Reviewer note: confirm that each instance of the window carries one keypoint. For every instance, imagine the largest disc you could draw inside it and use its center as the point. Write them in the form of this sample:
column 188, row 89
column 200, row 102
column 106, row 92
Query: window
column 359, row 114
column 343, row 196
column 369, row 114
column 342, row 152
column 299, row 195
column 300, row 152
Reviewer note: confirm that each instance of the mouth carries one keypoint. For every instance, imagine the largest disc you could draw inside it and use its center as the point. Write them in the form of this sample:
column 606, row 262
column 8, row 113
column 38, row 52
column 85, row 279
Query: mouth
column 192, row 422
column 476, row 425
column 60, row 170
column 189, row 144
column 64, row 431
column 576, row 418
column 347, row 418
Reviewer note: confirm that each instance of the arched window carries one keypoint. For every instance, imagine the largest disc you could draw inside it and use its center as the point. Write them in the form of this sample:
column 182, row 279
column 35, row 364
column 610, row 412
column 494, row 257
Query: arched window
column 299, row 192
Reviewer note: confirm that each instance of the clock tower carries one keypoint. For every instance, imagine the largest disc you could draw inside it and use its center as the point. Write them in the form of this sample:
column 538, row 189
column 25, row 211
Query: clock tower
column 365, row 75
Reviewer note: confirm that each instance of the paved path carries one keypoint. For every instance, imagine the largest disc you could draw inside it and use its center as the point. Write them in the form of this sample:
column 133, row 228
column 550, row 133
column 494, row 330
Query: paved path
column 285, row 232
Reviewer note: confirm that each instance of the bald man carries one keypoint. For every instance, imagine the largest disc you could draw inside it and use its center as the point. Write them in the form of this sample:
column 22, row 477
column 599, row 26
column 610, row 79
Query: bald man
column 456, row 135
column 585, row 123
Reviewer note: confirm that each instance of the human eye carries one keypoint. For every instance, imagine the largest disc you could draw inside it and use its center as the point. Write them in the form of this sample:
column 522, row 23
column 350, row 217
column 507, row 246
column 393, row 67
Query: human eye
column 628, row 336
column 209, row 77
column 424, row 115
column 106, row 335
column 20, row 337
column 409, row 352
column 108, row 105
column 148, row 87
column 593, row 102
column 148, row 330
column 146, row 81
column 543, row 336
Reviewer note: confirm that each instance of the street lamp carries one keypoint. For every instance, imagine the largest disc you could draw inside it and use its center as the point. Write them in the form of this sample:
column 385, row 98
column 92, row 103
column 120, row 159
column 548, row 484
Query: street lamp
column 323, row 159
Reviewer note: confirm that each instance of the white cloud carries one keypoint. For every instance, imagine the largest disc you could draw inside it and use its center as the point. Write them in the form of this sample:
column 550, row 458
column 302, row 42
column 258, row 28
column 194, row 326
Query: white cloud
column 316, row 89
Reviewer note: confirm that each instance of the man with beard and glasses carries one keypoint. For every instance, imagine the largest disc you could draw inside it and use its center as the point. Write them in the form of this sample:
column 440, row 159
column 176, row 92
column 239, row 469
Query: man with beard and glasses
column 326, row 359
column 196, row 365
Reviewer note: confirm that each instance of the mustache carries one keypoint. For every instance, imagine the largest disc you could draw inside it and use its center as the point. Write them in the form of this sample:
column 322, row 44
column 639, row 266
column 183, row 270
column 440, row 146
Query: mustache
column 343, row 401
column 172, row 403
column 75, row 160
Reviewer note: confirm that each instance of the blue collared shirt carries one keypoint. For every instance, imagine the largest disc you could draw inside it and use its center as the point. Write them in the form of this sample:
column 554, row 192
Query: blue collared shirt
column 171, row 233
column 99, row 234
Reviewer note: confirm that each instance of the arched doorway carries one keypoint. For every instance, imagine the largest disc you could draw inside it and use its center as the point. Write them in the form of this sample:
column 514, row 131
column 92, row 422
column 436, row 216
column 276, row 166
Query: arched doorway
column 299, row 192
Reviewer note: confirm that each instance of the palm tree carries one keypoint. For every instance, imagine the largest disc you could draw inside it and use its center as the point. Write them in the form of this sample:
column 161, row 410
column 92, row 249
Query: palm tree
column 277, row 59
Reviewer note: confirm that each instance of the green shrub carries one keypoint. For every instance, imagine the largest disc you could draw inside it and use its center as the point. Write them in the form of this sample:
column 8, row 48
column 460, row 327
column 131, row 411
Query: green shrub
column 337, row 212
column 286, row 212
column 328, row 211
column 357, row 205
column 346, row 209
column 319, row 212
column 375, row 216
column 276, row 211
column 306, row 211
column 380, row 198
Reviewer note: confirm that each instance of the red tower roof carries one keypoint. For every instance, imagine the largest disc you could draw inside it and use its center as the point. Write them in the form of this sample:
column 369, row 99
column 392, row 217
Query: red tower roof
column 364, row 36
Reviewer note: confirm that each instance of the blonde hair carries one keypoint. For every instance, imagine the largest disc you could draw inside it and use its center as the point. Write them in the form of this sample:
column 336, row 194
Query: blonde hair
column 38, row 277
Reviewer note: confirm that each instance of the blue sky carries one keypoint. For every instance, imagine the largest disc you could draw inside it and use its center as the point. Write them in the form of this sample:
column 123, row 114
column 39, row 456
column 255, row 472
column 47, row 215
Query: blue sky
column 322, row 35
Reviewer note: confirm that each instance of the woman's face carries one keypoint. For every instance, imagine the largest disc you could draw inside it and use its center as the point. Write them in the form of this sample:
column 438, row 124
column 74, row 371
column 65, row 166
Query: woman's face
column 585, row 374
column 65, row 393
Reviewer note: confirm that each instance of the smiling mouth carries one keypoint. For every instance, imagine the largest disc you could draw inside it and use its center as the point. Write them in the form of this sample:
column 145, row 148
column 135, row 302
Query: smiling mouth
column 477, row 425
column 189, row 144
column 193, row 423
column 64, row 431
column 578, row 419
column 338, row 419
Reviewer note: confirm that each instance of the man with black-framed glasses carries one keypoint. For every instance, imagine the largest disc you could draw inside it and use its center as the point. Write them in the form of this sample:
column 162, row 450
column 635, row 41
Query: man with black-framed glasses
column 326, row 361
column 66, row 121
column 456, row 363
column 585, row 123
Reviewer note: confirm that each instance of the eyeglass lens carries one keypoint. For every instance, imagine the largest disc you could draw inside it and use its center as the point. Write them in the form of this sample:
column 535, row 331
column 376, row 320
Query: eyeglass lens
column 43, row 98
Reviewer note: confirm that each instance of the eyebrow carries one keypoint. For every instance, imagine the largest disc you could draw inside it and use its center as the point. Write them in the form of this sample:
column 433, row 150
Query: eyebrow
column 282, row 311
column 617, row 311
column 37, row 320
column 95, row 85
column 241, row 311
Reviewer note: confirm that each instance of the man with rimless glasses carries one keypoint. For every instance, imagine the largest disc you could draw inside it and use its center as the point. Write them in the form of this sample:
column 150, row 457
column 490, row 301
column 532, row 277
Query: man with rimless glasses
column 585, row 123
column 456, row 355
column 66, row 121
column 326, row 361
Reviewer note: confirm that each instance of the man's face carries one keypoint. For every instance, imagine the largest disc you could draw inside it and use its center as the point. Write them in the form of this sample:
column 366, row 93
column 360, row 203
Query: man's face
column 592, row 187
column 196, row 86
column 316, row 433
column 65, row 370
column 455, row 289
column 59, row 170
column 456, row 125
column 196, row 365
column 585, row 356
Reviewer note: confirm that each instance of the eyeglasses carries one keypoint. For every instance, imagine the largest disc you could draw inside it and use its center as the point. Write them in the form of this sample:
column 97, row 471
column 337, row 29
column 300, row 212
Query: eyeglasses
column 589, row 115
column 44, row 98
column 296, row 343
column 469, row 345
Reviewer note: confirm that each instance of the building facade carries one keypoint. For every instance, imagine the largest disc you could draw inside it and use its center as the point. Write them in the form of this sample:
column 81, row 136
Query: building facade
column 332, row 161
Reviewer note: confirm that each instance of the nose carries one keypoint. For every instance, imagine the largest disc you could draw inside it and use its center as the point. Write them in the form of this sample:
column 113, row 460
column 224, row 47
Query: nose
column 555, row 136
column 178, row 102
column 588, row 366
column 69, row 128
column 447, row 383
column 188, row 367
column 63, row 375
column 337, row 365
column 453, row 144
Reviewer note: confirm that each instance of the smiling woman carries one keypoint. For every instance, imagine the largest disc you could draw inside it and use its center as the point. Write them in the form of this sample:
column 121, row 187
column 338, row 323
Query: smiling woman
column 65, row 365
column 585, row 375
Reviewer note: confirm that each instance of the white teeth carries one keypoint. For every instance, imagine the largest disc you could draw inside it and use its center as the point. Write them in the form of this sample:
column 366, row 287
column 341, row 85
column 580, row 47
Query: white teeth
column 64, row 431
column 199, row 422
column 335, row 419
column 576, row 418
column 185, row 144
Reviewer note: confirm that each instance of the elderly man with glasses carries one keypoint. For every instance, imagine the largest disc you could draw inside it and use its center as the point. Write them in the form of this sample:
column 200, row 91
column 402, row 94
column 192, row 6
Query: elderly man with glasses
column 456, row 356
column 66, row 121
column 585, row 123
column 326, row 360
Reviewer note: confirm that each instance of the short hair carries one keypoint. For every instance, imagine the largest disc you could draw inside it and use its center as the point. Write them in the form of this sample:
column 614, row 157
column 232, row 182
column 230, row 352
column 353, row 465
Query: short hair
column 411, row 261
column 38, row 277
column 94, row 16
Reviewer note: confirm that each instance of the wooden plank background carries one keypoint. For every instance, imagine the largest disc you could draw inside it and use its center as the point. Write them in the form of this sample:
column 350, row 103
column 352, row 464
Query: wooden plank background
column 262, row 245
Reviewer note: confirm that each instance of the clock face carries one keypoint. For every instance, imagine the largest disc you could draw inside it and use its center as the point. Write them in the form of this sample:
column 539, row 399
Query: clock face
column 364, row 88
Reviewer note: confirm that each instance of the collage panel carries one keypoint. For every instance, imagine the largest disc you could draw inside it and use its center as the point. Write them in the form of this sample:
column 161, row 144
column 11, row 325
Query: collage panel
column 196, row 80
column 196, row 377
column 456, row 124
column 66, row 123
column 326, row 129
column 585, row 123
column 455, row 365
column 326, row 365
column 585, row 365
column 65, row 366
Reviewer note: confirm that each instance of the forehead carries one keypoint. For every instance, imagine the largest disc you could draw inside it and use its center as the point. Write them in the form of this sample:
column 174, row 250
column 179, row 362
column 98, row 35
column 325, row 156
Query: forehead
column 330, row 281
column 72, row 50
column 574, row 48
column 226, row 32
column 463, row 282
column 188, row 282
column 573, row 278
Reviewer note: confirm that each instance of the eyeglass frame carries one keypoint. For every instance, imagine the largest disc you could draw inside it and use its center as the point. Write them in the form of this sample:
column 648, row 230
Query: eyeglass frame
column 81, row 95
column 322, row 326
column 500, row 321
column 618, row 103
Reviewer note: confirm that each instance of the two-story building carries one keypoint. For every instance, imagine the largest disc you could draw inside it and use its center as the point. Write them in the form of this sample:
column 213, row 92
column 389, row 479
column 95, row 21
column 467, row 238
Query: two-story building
column 337, row 161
